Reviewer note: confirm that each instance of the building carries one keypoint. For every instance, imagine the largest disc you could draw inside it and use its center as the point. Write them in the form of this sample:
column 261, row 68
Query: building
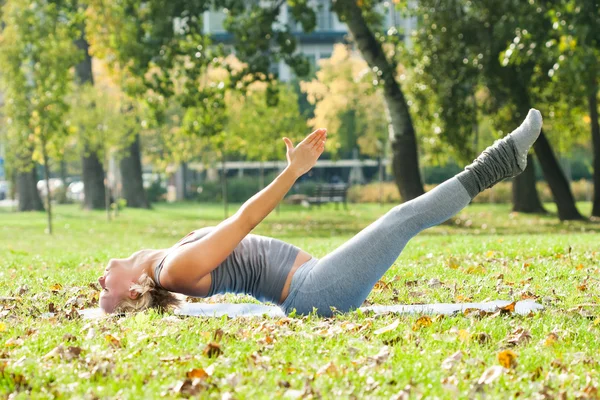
column 315, row 45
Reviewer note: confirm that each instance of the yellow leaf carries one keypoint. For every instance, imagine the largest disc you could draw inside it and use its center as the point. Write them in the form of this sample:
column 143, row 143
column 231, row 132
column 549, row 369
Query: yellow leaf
column 489, row 254
column 56, row 287
column 596, row 321
column 453, row 263
column 507, row 358
column 422, row 322
column 477, row 269
column 579, row 267
column 464, row 335
column 113, row 341
column 550, row 339
column 2, row 327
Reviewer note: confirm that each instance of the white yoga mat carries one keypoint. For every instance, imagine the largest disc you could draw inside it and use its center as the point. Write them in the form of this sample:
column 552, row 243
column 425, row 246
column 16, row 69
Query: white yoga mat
column 253, row 310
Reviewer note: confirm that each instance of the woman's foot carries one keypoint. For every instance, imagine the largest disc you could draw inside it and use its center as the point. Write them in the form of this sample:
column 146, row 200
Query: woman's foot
column 506, row 158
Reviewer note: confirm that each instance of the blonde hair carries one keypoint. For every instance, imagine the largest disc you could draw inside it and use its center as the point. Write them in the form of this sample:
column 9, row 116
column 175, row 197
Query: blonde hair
column 151, row 296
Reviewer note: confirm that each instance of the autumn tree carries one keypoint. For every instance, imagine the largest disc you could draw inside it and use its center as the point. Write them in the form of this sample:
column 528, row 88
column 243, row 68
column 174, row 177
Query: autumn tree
column 347, row 103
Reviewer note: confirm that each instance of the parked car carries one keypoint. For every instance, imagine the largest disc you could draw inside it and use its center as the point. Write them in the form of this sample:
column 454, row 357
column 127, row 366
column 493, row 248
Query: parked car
column 75, row 191
column 54, row 183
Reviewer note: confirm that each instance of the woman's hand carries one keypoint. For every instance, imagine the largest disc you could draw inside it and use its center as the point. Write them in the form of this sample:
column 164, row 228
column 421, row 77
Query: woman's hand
column 304, row 156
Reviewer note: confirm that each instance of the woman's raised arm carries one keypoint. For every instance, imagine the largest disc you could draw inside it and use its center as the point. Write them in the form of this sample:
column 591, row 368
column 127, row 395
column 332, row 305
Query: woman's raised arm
column 187, row 264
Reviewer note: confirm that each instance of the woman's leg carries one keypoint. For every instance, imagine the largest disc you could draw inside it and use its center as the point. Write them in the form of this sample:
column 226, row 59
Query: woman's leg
column 344, row 278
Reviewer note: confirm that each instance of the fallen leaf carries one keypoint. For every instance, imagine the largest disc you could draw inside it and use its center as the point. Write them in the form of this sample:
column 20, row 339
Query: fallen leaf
column 507, row 358
column 380, row 357
column 213, row 349
column 388, row 328
column 489, row 254
column 550, row 339
column 329, row 369
column 380, row 285
column 491, row 374
column 477, row 270
column 197, row 373
column 463, row 335
column 422, row 322
column 113, row 341
column 481, row 337
column 508, row 309
column 2, row 327
column 583, row 287
column 579, row 267
column 188, row 387
column 56, row 287
column 453, row 263
column 434, row 283
column 518, row 336
column 452, row 361
column 13, row 342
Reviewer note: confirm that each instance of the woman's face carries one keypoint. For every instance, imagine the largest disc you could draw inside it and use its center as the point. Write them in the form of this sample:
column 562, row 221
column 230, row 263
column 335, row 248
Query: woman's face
column 115, row 283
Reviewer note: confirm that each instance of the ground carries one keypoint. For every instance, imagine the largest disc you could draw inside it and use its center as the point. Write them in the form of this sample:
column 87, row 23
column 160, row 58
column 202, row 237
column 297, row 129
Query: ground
column 485, row 253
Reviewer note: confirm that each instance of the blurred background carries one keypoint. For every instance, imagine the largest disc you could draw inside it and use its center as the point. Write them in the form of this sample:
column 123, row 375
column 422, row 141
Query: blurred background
column 113, row 104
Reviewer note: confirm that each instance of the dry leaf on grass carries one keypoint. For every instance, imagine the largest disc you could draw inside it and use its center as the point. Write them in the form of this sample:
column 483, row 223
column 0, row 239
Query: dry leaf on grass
column 112, row 340
column 518, row 336
column 388, row 328
column 452, row 361
column 329, row 369
column 197, row 373
column 508, row 359
column 491, row 374
column 213, row 349
column 551, row 339
column 422, row 322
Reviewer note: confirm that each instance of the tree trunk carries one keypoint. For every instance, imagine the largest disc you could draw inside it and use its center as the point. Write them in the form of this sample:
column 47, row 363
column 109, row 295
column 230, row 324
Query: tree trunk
column 593, row 104
column 47, row 179
column 29, row 197
column 94, row 191
column 524, row 193
column 405, row 159
column 561, row 191
column 93, row 170
column 131, row 176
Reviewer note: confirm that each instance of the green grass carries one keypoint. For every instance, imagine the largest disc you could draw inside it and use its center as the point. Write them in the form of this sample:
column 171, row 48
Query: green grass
column 485, row 253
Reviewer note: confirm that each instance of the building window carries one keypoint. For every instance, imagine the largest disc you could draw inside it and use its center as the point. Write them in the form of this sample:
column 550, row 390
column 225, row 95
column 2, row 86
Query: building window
column 324, row 16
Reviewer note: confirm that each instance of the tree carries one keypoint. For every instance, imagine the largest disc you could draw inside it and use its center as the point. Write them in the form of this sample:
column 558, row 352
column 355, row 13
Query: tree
column 93, row 175
column 572, row 47
column 347, row 104
column 405, row 160
column 99, row 126
column 480, row 32
column 36, row 55
column 260, row 126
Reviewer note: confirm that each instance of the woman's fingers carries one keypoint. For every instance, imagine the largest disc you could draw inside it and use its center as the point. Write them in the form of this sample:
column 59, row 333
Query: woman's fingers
column 310, row 139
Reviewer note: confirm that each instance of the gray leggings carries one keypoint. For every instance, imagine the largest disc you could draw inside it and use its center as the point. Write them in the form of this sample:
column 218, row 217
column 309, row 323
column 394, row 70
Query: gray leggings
column 344, row 278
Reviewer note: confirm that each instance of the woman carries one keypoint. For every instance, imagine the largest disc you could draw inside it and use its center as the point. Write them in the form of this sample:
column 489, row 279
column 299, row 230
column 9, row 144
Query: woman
column 227, row 258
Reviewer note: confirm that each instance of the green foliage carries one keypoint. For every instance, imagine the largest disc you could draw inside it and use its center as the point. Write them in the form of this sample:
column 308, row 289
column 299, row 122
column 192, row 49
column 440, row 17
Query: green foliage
column 98, row 122
column 259, row 126
column 36, row 56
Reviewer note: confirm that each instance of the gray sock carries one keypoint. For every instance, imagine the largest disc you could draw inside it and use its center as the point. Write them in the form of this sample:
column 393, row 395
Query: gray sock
column 504, row 159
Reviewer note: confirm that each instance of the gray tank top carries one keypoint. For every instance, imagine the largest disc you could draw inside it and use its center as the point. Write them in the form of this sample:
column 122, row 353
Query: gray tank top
column 258, row 266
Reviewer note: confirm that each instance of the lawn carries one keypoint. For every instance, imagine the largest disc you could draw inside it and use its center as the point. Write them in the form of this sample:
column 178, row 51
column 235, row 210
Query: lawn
column 485, row 253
